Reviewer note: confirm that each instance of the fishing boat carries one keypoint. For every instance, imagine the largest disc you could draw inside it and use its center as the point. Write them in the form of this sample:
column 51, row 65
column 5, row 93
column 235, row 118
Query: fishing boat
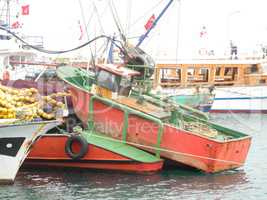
column 90, row 151
column 16, row 139
column 60, row 148
column 238, row 85
column 115, row 102
column 50, row 150
column 200, row 98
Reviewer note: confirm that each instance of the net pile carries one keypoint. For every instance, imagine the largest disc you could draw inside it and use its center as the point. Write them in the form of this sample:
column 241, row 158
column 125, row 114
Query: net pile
column 27, row 104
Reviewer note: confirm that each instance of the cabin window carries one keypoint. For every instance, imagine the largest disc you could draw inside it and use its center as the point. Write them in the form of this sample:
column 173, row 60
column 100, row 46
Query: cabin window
column 107, row 80
column 228, row 71
column 190, row 71
column 171, row 75
column 254, row 69
column 190, row 74
column 218, row 71
column 204, row 73
column 262, row 81
column 198, row 74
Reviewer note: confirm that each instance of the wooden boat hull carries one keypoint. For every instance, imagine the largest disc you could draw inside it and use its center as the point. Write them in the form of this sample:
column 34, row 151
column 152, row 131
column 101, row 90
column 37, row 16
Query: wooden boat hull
column 49, row 151
column 204, row 153
column 15, row 142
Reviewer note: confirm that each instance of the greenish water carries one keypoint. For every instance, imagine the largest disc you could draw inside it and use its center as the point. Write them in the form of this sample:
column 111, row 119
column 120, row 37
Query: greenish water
column 248, row 182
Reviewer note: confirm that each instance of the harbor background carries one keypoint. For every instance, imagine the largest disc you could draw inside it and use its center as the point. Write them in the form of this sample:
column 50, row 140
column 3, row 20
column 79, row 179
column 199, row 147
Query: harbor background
column 239, row 21
column 247, row 182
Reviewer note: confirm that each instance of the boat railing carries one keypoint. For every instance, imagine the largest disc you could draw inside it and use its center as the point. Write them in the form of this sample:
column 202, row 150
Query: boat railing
column 127, row 111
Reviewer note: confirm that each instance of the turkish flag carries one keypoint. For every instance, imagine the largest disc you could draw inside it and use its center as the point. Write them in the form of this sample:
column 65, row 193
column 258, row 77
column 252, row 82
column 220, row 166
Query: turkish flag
column 15, row 25
column 25, row 10
column 150, row 22
column 81, row 30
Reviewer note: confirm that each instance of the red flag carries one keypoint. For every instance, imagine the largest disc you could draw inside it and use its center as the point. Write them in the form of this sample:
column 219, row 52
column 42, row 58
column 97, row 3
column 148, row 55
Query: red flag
column 25, row 10
column 81, row 30
column 15, row 25
column 150, row 22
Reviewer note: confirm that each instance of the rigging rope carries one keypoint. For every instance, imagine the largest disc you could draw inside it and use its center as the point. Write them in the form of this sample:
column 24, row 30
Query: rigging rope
column 146, row 13
column 235, row 92
column 83, row 17
column 115, row 17
column 178, row 30
column 98, row 18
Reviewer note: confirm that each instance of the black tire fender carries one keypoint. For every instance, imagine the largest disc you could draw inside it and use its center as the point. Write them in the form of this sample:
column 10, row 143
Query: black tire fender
column 83, row 144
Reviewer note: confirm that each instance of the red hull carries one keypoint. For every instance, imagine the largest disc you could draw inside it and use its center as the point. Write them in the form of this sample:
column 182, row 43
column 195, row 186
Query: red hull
column 49, row 151
column 178, row 145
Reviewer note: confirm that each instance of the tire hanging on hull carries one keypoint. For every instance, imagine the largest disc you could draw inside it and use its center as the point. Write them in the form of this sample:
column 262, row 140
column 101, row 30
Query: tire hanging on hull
column 83, row 147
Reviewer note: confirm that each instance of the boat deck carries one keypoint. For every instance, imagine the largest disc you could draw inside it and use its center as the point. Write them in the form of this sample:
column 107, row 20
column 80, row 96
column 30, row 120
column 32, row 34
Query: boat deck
column 145, row 107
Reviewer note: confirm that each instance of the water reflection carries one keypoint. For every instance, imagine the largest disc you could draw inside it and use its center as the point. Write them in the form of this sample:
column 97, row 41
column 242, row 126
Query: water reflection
column 51, row 184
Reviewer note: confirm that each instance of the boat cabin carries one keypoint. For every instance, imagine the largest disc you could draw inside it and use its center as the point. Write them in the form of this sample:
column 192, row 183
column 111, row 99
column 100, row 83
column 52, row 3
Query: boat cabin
column 211, row 72
column 113, row 80
column 13, row 62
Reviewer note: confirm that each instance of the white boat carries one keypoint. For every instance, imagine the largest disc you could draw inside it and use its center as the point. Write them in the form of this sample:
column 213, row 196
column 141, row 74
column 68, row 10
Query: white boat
column 16, row 139
column 247, row 99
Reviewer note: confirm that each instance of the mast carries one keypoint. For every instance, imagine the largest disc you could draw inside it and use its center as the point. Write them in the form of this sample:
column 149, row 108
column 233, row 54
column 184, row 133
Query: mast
column 143, row 37
column 8, row 14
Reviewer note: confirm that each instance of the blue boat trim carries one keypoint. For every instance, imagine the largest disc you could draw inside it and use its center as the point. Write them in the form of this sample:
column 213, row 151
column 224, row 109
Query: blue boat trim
column 240, row 98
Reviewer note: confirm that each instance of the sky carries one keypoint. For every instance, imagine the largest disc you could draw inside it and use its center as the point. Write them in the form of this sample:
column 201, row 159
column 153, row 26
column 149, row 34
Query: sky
column 176, row 36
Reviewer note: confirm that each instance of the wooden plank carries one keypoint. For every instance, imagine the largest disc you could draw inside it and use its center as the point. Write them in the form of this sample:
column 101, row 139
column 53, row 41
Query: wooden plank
column 145, row 107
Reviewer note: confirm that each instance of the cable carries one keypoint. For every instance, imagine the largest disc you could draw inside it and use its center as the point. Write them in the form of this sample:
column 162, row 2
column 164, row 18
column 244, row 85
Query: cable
column 69, row 50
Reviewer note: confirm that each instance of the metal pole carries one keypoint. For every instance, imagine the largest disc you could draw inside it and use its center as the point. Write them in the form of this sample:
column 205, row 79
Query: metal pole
column 142, row 37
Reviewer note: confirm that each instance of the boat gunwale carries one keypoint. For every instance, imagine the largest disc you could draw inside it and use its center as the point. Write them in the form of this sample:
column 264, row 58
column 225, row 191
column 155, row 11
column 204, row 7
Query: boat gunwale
column 29, row 123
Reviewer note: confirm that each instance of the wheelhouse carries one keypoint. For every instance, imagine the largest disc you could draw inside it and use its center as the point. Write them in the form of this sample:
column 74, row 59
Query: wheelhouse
column 113, row 80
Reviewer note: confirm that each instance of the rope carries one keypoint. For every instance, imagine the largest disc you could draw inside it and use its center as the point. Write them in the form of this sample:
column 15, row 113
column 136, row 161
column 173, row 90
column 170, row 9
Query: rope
column 178, row 30
column 83, row 17
column 170, row 151
column 98, row 18
column 2, row 10
column 129, row 16
column 233, row 92
column 115, row 17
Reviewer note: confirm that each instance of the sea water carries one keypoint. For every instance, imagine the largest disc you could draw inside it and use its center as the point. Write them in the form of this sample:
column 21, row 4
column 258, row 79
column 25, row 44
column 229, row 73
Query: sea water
column 247, row 182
